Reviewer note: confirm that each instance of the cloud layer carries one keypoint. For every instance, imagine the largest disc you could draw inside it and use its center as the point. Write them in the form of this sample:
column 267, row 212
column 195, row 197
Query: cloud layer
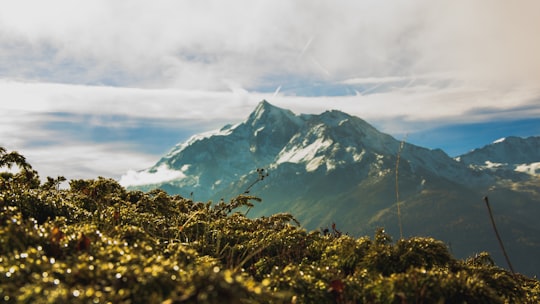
column 216, row 44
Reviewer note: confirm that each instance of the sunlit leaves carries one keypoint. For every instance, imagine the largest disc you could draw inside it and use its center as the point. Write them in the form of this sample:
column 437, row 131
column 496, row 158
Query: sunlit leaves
column 97, row 242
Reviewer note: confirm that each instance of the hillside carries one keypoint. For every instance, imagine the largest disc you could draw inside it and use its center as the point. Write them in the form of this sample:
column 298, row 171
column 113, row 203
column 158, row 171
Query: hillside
column 334, row 167
column 98, row 242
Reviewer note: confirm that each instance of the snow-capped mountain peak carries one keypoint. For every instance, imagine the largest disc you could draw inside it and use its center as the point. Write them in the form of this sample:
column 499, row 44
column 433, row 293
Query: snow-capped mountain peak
column 273, row 137
column 224, row 131
column 266, row 113
column 507, row 154
column 500, row 140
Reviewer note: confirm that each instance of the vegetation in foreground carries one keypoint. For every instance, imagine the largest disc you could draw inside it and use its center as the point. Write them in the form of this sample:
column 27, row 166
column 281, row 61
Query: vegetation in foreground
column 96, row 242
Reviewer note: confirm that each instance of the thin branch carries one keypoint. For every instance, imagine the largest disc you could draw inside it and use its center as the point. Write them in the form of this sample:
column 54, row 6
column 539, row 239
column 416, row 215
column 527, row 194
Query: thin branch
column 397, row 189
column 498, row 236
column 260, row 177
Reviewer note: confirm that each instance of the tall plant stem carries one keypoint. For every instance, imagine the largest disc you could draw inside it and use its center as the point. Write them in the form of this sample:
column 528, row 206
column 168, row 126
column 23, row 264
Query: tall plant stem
column 498, row 236
column 397, row 190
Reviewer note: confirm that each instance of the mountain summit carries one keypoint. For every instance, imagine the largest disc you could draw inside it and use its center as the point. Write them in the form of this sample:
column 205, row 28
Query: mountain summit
column 266, row 114
column 512, row 155
column 337, row 168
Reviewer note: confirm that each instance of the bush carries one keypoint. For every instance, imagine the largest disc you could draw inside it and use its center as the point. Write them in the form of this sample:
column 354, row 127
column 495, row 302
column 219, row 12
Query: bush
column 97, row 242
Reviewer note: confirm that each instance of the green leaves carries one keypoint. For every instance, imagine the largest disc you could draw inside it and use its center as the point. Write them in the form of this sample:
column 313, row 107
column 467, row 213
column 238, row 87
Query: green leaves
column 13, row 158
column 97, row 242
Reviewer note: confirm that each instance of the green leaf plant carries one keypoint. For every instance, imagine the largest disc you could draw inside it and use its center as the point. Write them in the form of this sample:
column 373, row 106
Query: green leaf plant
column 98, row 242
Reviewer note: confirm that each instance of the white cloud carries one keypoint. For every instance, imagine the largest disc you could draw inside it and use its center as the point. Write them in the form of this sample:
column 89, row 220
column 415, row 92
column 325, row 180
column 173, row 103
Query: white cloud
column 161, row 174
column 415, row 103
column 154, row 103
column 76, row 160
column 207, row 44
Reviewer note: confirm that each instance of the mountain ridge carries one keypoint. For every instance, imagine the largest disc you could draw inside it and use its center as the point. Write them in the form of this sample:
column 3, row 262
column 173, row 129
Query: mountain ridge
column 273, row 136
column 502, row 156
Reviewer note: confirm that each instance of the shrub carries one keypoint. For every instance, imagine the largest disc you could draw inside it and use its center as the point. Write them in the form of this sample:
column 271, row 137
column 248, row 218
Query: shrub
column 97, row 242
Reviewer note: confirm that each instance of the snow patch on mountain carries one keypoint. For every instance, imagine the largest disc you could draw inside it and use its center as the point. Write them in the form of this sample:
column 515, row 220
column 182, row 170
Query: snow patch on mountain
column 227, row 130
column 258, row 130
column 148, row 177
column 357, row 157
column 343, row 121
column 506, row 154
column 306, row 154
column 491, row 165
column 314, row 164
column 531, row 169
column 527, row 168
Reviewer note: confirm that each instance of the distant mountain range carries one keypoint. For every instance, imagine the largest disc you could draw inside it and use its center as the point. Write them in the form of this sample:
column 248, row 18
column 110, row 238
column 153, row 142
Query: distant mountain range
column 336, row 168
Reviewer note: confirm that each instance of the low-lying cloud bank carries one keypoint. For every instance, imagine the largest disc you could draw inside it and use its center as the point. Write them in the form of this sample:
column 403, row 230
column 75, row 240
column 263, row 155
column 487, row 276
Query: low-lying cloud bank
column 145, row 177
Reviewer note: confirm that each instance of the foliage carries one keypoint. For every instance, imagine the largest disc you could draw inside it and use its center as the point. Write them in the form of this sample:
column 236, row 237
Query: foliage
column 97, row 242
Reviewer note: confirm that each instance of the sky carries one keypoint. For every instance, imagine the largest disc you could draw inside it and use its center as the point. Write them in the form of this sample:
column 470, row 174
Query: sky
column 99, row 88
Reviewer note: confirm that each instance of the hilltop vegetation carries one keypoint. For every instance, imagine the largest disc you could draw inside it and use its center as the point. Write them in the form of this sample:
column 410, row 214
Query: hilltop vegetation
column 98, row 242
